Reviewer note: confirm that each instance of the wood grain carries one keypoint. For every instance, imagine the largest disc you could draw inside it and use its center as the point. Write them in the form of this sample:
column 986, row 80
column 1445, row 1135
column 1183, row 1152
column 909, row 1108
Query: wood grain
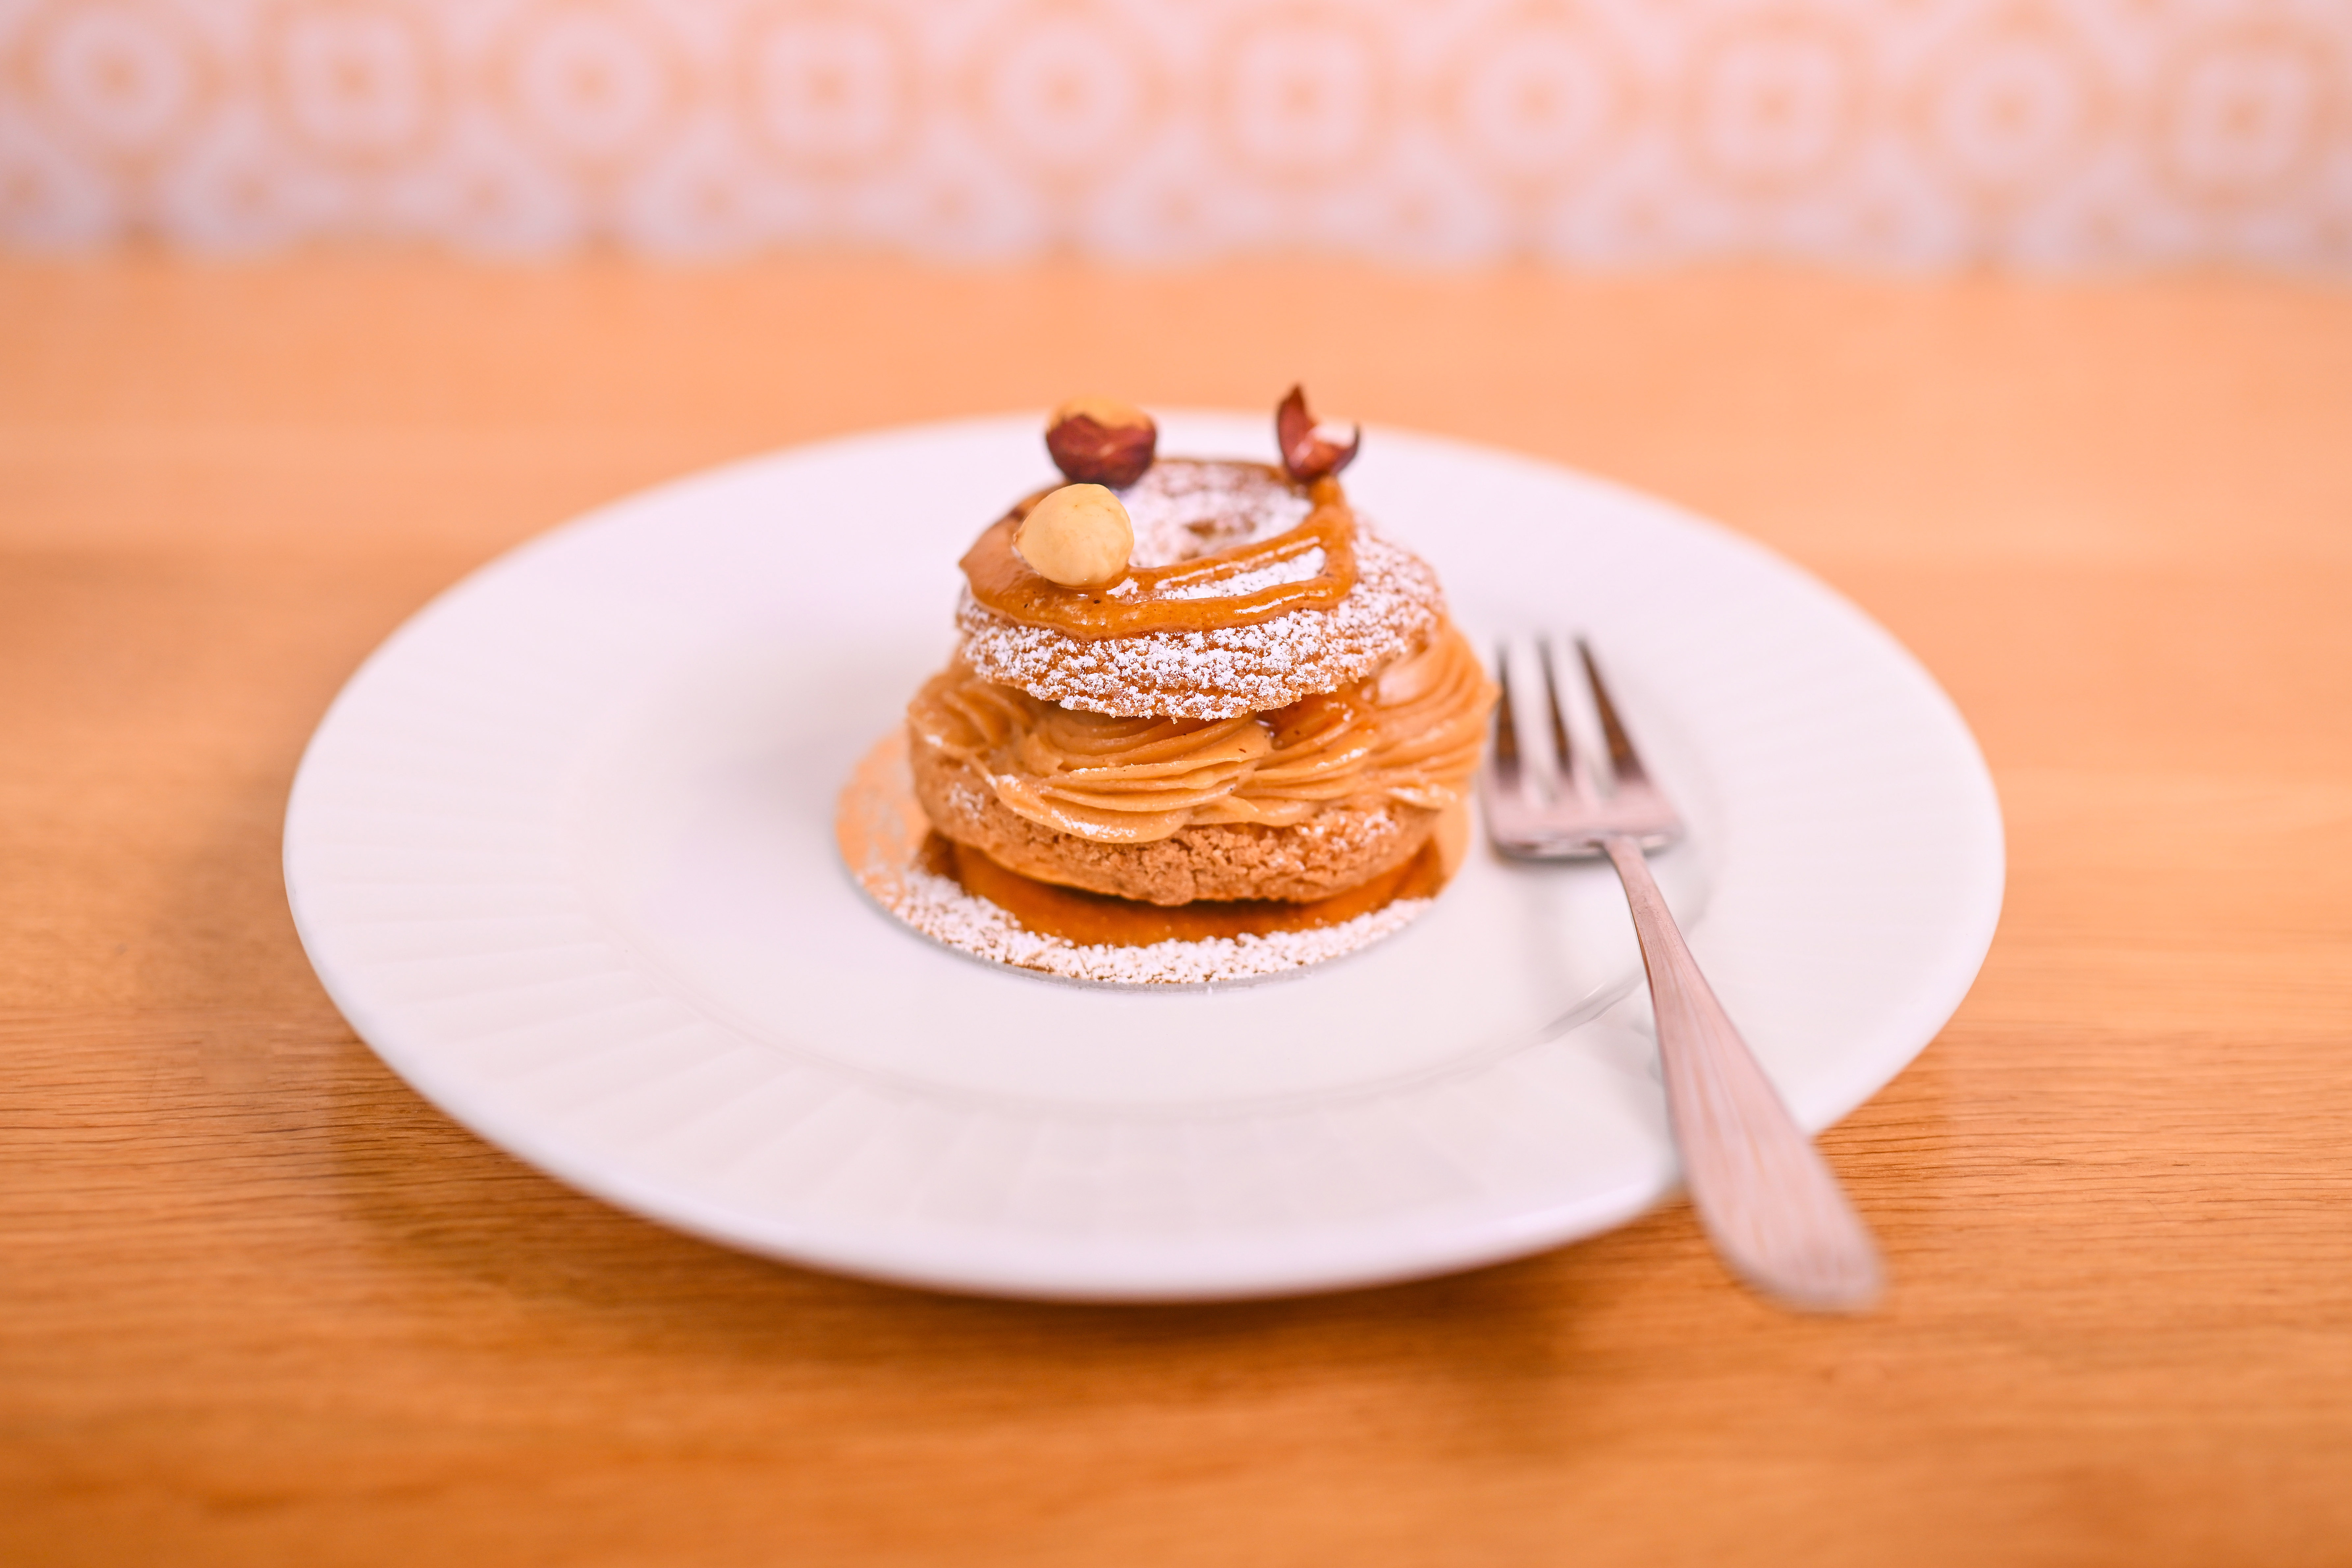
column 258, row 1304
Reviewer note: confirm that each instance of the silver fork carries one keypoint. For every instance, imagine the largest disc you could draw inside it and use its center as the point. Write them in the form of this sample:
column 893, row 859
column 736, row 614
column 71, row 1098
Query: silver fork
column 1763, row 1191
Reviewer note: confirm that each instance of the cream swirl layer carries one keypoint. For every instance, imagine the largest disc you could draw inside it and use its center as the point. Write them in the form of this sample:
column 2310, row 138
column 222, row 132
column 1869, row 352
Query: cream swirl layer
column 1412, row 732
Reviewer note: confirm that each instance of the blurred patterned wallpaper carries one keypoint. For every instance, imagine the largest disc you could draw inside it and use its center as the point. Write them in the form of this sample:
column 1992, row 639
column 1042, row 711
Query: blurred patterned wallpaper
column 2036, row 132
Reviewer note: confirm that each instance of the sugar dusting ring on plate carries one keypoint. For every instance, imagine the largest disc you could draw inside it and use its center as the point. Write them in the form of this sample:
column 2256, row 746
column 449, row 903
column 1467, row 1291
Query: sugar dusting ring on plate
column 962, row 897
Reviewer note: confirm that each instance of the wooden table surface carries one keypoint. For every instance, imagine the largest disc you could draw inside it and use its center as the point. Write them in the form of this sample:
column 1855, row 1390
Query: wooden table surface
column 259, row 1304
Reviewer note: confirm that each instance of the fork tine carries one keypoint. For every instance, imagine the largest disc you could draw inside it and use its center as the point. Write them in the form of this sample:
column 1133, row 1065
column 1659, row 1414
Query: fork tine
column 1562, row 750
column 1576, row 776
column 1622, row 759
column 1525, row 723
column 1506, row 732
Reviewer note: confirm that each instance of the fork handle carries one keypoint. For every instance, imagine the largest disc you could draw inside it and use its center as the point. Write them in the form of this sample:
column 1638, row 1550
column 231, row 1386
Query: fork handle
column 1764, row 1195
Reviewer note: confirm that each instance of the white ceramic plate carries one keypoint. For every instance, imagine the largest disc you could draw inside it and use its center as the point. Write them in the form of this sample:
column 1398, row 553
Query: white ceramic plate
column 562, row 853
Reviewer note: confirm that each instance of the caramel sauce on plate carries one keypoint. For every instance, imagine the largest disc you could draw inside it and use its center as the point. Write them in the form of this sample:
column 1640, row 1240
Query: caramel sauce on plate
column 1146, row 599
column 1100, row 920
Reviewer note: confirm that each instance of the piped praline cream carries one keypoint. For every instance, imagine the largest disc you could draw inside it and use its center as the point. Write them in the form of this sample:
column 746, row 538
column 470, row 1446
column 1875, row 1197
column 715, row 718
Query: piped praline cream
column 1411, row 734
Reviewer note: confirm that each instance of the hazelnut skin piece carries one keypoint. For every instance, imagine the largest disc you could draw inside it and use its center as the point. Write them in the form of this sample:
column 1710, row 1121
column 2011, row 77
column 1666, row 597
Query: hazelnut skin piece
column 1312, row 452
column 1101, row 441
column 1079, row 536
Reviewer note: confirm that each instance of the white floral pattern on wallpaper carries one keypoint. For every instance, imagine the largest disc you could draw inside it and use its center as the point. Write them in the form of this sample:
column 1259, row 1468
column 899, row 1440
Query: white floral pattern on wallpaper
column 2070, row 132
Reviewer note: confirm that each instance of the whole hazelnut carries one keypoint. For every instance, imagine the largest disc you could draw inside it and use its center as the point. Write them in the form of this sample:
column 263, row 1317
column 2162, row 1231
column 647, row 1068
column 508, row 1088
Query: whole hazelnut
column 1312, row 452
column 1078, row 536
column 1101, row 441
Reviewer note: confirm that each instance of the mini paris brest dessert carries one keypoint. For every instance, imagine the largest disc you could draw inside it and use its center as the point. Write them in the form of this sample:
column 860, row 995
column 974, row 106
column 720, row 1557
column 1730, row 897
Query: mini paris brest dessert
column 1203, row 721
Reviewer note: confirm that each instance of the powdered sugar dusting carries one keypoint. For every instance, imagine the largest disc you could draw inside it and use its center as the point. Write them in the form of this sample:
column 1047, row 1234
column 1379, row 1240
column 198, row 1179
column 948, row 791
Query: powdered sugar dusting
column 943, row 911
column 1224, row 673
column 1183, row 508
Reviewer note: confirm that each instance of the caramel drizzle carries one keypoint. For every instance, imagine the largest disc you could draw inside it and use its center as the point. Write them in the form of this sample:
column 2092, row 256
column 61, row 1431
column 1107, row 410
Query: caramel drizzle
column 1146, row 599
column 1411, row 733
